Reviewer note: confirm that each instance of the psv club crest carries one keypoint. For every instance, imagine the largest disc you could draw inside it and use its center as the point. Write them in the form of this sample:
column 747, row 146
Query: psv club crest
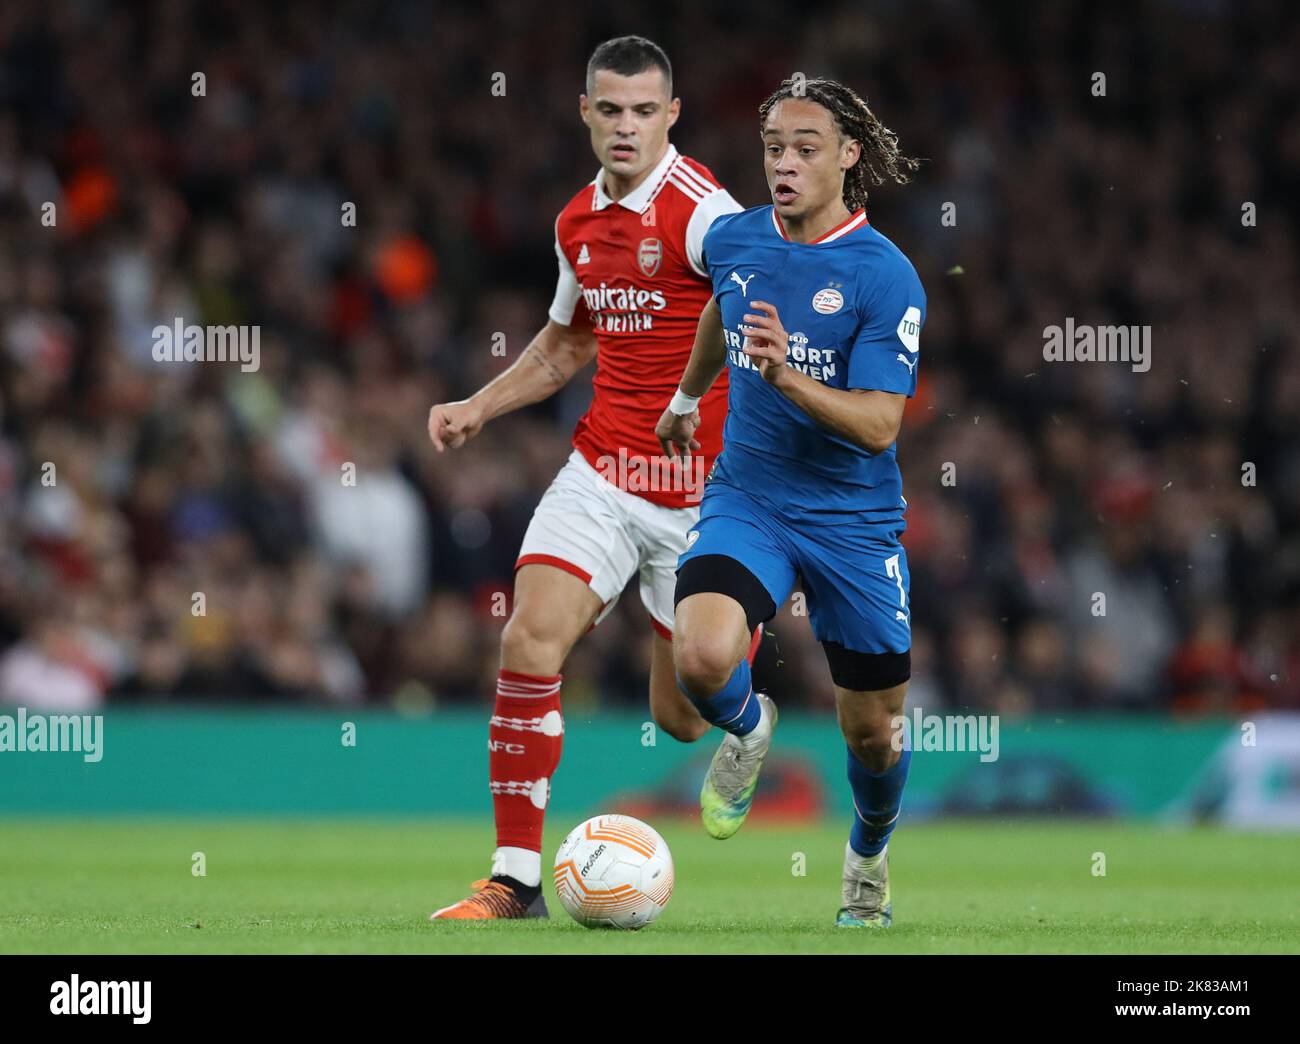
column 650, row 255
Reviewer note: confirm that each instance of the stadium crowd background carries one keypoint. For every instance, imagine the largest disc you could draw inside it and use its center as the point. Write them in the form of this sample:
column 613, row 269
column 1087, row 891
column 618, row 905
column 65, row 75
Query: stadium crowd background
column 1071, row 478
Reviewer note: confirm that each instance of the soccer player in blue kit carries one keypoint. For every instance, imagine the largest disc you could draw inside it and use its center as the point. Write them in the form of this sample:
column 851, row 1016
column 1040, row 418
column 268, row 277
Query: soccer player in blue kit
column 818, row 316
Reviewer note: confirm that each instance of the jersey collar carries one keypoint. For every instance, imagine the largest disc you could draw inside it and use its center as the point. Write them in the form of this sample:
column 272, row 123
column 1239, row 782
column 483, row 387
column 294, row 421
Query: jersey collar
column 639, row 198
column 854, row 220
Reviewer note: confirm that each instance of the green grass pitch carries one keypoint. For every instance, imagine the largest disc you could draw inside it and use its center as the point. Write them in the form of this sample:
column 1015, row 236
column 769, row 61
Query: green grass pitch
column 125, row 886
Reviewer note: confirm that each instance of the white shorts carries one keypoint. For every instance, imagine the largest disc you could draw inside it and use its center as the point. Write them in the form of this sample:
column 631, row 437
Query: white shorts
column 601, row 534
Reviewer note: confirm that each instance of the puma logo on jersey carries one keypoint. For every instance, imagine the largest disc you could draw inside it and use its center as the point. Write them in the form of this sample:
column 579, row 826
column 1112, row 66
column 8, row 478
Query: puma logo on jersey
column 744, row 283
column 583, row 255
column 909, row 363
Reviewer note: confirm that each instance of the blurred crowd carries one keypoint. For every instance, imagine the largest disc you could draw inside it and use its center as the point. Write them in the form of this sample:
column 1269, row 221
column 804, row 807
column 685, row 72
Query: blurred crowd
column 177, row 531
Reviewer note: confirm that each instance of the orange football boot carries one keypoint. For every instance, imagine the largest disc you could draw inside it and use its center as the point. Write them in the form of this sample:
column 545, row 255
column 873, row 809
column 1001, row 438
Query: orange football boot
column 491, row 901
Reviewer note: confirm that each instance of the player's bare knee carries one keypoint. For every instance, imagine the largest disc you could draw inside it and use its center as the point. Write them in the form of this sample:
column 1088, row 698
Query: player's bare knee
column 529, row 647
column 872, row 744
column 703, row 662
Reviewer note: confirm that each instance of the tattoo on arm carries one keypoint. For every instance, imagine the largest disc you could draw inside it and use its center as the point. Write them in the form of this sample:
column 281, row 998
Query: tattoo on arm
column 553, row 372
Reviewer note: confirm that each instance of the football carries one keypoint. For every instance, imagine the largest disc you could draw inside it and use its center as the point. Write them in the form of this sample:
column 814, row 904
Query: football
column 614, row 872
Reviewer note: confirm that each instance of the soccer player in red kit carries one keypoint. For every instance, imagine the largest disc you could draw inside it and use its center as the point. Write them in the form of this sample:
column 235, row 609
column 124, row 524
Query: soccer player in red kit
column 632, row 284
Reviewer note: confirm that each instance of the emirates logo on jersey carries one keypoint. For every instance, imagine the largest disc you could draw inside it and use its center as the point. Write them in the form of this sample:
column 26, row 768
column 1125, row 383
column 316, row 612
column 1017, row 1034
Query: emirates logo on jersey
column 616, row 309
column 650, row 255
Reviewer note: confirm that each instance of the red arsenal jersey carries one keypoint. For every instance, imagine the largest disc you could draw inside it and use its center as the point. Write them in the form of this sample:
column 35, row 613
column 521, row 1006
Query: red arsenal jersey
column 636, row 265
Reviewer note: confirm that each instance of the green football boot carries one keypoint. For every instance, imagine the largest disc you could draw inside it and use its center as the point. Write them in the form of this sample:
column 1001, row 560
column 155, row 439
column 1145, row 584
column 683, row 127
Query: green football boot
column 728, row 789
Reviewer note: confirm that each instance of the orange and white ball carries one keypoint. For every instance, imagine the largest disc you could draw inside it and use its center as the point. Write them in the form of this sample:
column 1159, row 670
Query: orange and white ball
column 614, row 872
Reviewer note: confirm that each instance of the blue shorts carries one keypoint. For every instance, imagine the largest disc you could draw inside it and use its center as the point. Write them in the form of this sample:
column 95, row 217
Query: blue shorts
column 854, row 574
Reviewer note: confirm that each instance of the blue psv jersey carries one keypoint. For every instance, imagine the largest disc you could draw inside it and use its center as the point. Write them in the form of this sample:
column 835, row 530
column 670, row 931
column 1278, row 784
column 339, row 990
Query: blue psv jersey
column 853, row 308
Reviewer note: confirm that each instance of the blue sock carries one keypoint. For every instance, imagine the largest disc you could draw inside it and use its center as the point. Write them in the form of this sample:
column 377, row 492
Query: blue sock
column 732, row 708
column 876, row 801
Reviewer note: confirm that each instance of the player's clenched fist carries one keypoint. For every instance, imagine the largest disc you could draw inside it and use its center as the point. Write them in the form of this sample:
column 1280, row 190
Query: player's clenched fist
column 766, row 341
column 452, row 423
column 676, row 432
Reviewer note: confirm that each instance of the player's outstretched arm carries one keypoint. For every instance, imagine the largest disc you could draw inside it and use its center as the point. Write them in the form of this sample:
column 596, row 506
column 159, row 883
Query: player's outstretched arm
column 676, row 429
column 551, row 358
column 870, row 419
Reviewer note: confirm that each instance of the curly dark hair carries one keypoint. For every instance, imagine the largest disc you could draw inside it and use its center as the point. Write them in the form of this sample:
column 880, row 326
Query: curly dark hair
column 880, row 160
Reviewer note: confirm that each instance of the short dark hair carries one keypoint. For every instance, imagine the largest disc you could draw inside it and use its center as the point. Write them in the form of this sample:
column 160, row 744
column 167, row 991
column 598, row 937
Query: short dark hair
column 627, row 56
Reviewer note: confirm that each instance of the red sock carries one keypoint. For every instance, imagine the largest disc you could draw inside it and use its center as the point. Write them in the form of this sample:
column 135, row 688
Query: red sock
column 524, row 743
